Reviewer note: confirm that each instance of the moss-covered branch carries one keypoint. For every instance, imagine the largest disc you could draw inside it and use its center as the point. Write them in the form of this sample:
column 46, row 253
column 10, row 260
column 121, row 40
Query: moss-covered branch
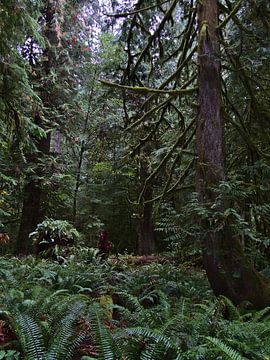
column 148, row 113
column 231, row 15
column 138, row 11
column 168, row 156
column 151, row 38
column 146, row 90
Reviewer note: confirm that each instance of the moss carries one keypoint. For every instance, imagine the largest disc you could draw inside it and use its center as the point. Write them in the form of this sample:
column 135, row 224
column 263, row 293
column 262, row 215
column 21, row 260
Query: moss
column 203, row 31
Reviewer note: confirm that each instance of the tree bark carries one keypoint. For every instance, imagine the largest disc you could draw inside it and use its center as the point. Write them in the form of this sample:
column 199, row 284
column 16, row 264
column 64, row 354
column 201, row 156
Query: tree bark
column 228, row 270
column 33, row 195
column 77, row 183
column 32, row 200
column 145, row 226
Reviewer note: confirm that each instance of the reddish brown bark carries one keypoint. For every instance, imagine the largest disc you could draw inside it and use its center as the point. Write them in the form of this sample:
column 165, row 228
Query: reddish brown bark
column 228, row 270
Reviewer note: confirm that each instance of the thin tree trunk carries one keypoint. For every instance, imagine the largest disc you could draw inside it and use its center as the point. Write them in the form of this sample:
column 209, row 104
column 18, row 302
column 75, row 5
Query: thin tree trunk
column 228, row 270
column 77, row 184
column 81, row 155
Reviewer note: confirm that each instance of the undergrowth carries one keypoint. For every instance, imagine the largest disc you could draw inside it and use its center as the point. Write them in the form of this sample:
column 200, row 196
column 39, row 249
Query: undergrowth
column 92, row 309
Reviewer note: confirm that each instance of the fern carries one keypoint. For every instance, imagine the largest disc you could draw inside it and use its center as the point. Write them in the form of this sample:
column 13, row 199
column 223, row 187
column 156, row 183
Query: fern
column 106, row 346
column 29, row 335
column 63, row 336
column 131, row 302
column 65, row 343
column 231, row 308
column 157, row 343
column 227, row 350
column 262, row 315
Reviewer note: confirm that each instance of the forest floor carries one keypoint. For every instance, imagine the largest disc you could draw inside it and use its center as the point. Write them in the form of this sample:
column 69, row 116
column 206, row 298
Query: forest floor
column 126, row 307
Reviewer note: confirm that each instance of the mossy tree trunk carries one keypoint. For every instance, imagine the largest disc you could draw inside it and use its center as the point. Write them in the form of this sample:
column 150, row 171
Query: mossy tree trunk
column 228, row 270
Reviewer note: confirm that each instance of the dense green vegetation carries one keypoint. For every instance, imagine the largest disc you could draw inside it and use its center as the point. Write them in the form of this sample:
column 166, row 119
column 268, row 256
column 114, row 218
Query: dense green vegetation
column 134, row 179
column 122, row 310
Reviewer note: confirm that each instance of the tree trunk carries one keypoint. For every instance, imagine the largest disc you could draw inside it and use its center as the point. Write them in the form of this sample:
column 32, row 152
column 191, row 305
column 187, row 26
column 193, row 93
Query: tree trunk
column 32, row 201
column 33, row 195
column 228, row 270
column 81, row 154
column 77, row 184
column 145, row 226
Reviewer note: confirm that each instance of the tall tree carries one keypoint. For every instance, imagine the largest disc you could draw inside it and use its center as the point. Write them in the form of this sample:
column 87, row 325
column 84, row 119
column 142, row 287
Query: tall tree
column 44, row 71
column 17, row 97
column 228, row 270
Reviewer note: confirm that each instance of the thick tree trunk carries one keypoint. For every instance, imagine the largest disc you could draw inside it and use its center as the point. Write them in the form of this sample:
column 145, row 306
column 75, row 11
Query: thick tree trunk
column 145, row 226
column 228, row 270
column 33, row 194
column 32, row 201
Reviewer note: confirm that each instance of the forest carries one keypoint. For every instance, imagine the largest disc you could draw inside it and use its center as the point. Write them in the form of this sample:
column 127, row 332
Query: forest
column 134, row 179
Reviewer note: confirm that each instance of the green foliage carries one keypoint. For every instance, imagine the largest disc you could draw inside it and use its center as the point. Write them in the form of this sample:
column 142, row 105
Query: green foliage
column 106, row 347
column 158, row 311
column 29, row 336
column 54, row 233
column 230, row 353
column 33, row 336
column 9, row 355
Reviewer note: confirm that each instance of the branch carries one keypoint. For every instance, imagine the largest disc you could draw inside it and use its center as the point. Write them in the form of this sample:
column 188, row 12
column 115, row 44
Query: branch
column 145, row 139
column 146, row 90
column 231, row 15
column 126, row 14
column 167, row 156
column 148, row 113
column 171, row 77
column 174, row 186
column 152, row 37
column 237, row 21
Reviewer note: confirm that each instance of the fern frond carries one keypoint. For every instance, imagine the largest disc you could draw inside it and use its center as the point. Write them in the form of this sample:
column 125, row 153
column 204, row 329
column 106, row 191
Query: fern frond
column 262, row 315
column 157, row 351
column 152, row 335
column 65, row 339
column 151, row 344
column 226, row 349
column 131, row 302
column 231, row 308
column 174, row 322
column 65, row 342
column 104, row 341
column 29, row 335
